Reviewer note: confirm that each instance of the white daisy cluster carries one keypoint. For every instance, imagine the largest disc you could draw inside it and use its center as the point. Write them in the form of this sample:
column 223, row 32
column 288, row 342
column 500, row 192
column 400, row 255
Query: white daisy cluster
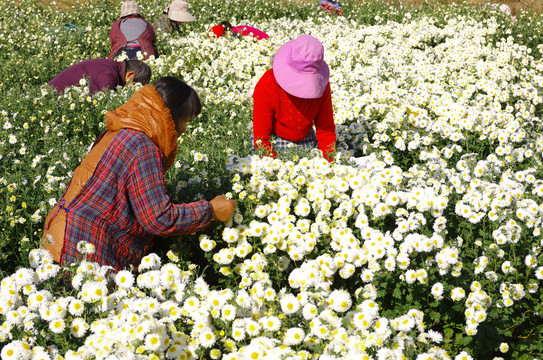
column 134, row 319
column 165, row 313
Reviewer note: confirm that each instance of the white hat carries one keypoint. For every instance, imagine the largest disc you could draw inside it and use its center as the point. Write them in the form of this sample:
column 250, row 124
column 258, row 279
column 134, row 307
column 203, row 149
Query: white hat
column 506, row 9
column 178, row 10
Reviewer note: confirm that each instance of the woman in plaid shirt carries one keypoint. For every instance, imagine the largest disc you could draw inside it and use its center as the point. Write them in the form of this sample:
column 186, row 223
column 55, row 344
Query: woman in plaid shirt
column 117, row 198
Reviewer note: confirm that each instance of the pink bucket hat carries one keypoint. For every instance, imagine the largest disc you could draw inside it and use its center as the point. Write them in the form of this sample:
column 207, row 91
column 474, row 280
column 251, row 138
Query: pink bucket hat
column 299, row 67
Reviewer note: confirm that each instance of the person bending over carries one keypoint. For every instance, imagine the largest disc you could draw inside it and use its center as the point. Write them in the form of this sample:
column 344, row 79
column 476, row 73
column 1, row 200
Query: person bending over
column 173, row 16
column 292, row 102
column 132, row 33
column 102, row 74
column 116, row 199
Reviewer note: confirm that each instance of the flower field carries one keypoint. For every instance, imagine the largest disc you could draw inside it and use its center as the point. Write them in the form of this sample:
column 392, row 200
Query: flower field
column 423, row 240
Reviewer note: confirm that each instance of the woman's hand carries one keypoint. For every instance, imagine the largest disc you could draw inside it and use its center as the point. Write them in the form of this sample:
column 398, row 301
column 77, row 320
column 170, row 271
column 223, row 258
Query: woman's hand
column 222, row 208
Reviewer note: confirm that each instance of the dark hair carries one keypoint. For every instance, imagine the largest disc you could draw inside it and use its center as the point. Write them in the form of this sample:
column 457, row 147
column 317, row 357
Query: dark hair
column 226, row 25
column 180, row 98
column 143, row 71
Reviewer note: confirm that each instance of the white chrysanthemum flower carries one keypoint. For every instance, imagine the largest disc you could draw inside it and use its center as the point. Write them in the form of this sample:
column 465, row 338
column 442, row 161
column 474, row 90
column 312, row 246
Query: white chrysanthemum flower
column 124, row 279
column 198, row 157
column 93, row 291
column 435, row 336
column 207, row 338
column 224, row 256
column 230, row 235
column 150, row 262
column 78, row 327
column 17, row 349
column 270, row 323
column 228, row 312
column 37, row 299
column 539, row 273
column 463, row 356
column 362, row 321
column 154, row 342
column 403, row 323
column 149, row 279
column 238, row 330
column 39, row 257
column 191, row 304
column 47, row 271
column 85, row 247
column 370, row 307
column 252, row 327
column 57, row 326
column 206, row 244
column 410, row 276
column 289, row 304
column 437, row 291
column 13, row 317
column 340, row 301
column 294, row 336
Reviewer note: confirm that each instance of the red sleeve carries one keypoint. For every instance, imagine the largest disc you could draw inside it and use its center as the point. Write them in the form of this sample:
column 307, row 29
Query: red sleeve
column 264, row 111
column 218, row 30
column 326, row 128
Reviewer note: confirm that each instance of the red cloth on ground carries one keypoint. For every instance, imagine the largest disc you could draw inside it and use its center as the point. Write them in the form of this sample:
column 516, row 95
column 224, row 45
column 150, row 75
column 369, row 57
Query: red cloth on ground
column 244, row 30
column 290, row 117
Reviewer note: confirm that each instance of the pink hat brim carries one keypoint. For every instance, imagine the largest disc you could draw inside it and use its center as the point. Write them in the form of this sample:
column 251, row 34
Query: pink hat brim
column 297, row 83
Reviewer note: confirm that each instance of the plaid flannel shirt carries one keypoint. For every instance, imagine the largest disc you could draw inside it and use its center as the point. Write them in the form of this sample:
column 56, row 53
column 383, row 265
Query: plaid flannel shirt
column 124, row 205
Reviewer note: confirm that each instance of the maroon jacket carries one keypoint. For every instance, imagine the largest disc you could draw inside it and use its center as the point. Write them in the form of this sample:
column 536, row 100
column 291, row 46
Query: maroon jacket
column 102, row 73
column 118, row 41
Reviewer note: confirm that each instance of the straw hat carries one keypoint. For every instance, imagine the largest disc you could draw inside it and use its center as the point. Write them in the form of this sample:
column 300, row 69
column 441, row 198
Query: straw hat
column 130, row 8
column 299, row 67
column 178, row 10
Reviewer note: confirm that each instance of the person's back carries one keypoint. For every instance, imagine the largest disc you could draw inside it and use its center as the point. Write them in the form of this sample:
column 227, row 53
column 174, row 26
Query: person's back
column 101, row 73
column 131, row 33
column 132, row 28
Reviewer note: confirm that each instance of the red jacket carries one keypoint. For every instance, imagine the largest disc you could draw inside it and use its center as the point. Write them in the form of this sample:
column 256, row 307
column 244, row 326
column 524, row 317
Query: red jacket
column 118, row 41
column 291, row 118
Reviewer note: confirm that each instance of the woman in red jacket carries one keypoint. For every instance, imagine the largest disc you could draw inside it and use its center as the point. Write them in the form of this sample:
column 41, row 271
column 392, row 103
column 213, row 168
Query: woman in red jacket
column 293, row 101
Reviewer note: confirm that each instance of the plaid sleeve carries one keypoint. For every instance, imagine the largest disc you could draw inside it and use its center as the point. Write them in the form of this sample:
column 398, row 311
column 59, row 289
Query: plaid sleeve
column 152, row 206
